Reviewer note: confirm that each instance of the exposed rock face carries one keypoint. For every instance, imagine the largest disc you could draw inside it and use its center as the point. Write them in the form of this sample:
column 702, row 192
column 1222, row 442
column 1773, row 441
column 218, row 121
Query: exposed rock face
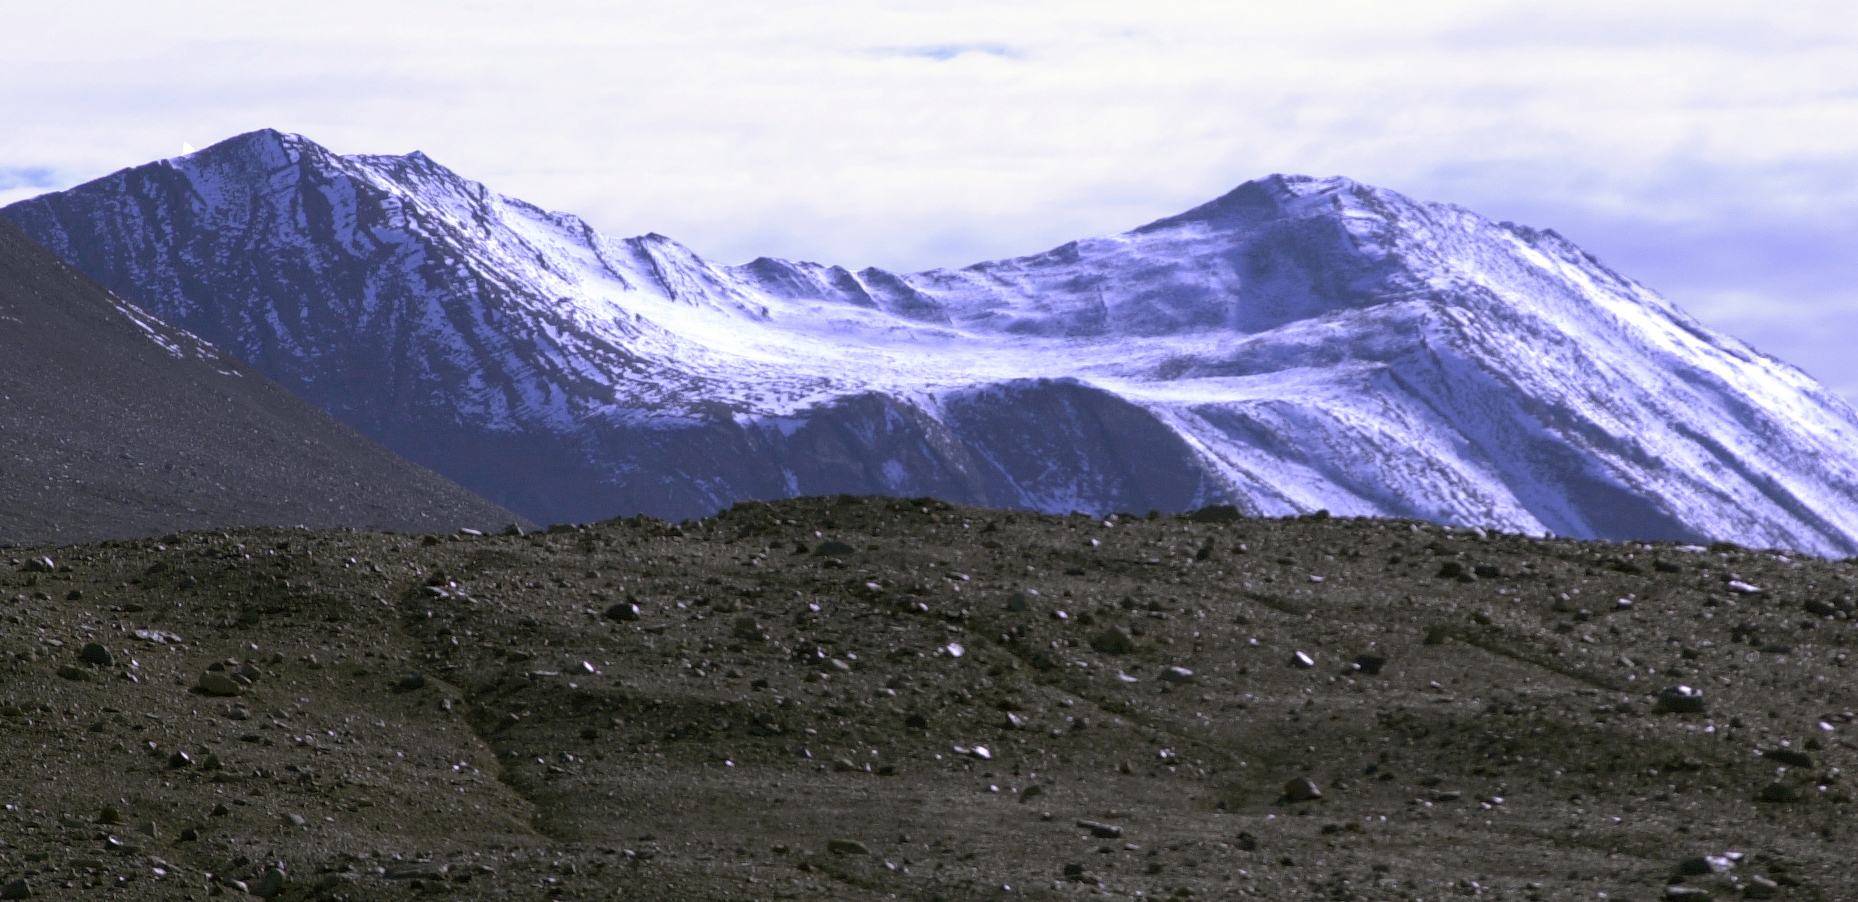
column 113, row 424
column 1296, row 344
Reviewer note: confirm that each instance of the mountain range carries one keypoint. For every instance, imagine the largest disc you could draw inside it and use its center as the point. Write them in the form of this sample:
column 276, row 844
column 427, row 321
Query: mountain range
column 114, row 425
column 1294, row 345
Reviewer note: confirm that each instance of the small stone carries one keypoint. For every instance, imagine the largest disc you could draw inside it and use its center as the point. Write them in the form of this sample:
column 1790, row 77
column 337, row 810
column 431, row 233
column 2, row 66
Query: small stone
column 1370, row 664
column 916, row 722
column 1303, row 660
column 415, row 870
column 1019, row 603
column 1778, row 792
column 1679, row 700
column 1113, row 642
column 1759, row 887
column 1686, row 893
column 847, row 847
column 180, row 759
column 271, row 884
column 94, row 653
column 159, row 637
column 981, row 752
column 215, row 682
column 1302, row 789
column 410, row 683
column 295, row 820
column 1101, row 830
column 1789, row 757
column 109, row 816
column 624, row 612
column 1741, row 588
column 189, row 835
column 747, row 629
column 75, row 673
column 1177, row 675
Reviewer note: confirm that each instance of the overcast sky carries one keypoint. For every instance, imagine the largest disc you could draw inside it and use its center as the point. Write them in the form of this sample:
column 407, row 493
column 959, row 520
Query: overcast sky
column 1707, row 149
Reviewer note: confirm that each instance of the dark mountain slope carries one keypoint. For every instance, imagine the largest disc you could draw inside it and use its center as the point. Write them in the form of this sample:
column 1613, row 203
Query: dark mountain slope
column 114, row 425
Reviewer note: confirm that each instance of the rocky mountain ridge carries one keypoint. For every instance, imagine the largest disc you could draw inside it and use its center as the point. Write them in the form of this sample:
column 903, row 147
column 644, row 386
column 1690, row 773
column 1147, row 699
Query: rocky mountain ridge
column 1293, row 345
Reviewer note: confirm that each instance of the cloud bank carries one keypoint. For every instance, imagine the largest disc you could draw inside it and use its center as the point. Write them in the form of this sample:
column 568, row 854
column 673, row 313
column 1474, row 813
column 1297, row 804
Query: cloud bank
column 1705, row 148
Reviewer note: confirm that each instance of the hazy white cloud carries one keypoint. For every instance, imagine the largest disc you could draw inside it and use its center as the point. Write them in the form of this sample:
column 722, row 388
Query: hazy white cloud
column 1704, row 147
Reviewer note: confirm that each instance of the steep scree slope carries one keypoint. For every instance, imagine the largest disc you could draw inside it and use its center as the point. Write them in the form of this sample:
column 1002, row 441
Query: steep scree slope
column 114, row 424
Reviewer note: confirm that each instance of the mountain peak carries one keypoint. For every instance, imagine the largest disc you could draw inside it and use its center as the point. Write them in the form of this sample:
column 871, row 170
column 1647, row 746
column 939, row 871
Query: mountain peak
column 1297, row 343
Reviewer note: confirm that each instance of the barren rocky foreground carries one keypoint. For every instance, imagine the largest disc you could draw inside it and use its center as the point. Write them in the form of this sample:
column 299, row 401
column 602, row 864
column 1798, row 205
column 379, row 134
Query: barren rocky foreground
column 860, row 698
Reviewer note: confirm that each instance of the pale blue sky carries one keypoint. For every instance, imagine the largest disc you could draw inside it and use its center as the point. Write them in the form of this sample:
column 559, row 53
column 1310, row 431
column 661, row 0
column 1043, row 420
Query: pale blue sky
column 1707, row 149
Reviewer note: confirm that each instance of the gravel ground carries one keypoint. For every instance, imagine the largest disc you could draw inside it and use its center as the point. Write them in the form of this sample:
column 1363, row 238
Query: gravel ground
column 860, row 698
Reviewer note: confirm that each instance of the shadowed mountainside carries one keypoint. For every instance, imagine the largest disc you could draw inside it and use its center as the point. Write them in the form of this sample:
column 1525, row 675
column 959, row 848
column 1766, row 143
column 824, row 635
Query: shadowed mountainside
column 113, row 424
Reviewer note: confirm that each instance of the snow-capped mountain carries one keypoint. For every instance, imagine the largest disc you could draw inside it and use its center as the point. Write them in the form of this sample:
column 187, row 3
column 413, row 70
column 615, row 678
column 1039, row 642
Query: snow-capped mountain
column 1296, row 344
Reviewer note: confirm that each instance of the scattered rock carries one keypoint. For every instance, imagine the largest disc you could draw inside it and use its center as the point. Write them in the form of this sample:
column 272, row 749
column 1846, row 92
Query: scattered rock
column 214, row 682
column 269, row 885
column 624, row 612
column 1686, row 893
column 416, row 870
column 1217, row 513
column 1759, row 887
column 1679, row 700
column 1177, row 675
column 747, row 629
column 1101, row 830
column 159, row 637
column 1789, row 757
column 1370, row 663
column 847, row 847
column 75, row 673
column 95, row 654
column 1301, row 789
column 1112, row 642
column 1778, row 792
column 412, row 682
column 1303, row 660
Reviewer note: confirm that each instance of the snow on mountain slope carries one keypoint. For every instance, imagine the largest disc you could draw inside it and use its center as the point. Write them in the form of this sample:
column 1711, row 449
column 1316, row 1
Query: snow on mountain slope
column 1296, row 344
